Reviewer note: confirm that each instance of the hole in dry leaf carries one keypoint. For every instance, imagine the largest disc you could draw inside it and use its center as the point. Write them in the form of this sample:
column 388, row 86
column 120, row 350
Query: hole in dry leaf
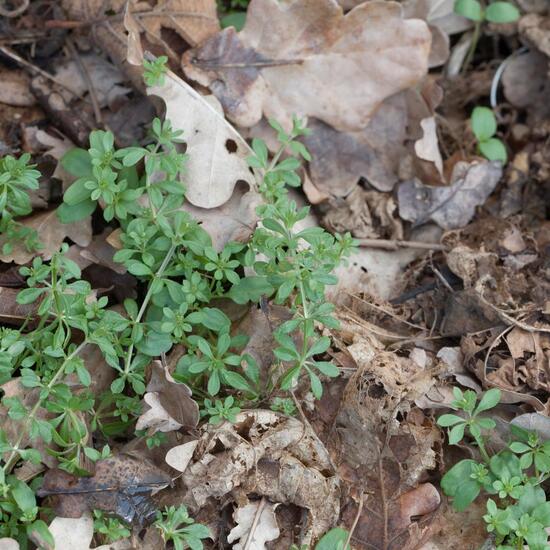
column 231, row 146
column 376, row 391
column 174, row 40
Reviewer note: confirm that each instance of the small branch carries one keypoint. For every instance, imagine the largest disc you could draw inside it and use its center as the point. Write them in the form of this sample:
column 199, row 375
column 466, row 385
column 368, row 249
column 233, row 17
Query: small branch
column 257, row 516
column 255, row 64
column 86, row 76
column 355, row 522
column 395, row 244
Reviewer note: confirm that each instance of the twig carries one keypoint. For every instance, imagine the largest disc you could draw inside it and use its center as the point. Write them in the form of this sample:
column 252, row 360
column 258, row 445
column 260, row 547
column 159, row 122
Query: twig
column 24, row 63
column 257, row 515
column 395, row 244
column 355, row 522
column 4, row 12
column 86, row 76
column 258, row 64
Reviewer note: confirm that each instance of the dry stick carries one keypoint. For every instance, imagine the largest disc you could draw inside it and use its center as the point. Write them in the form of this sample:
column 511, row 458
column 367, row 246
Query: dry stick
column 355, row 522
column 86, row 76
column 268, row 63
column 257, row 515
column 24, row 63
column 395, row 244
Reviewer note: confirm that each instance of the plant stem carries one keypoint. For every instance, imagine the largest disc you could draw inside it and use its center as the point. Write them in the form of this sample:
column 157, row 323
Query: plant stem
column 473, row 46
column 482, row 450
column 12, row 460
column 145, row 302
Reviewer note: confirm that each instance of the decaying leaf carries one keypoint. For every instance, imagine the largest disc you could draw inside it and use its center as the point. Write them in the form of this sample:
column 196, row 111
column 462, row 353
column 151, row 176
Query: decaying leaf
column 427, row 148
column 178, row 457
column 15, row 89
column 72, row 533
column 452, row 206
column 170, row 404
column 122, row 485
column 271, row 455
column 51, row 233
column 217, row 152
column 265, row 527
column 305, row 57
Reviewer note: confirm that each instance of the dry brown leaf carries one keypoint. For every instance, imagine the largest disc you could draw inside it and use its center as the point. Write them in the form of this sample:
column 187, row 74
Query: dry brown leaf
column 427, row 148
column 452, row 206
column 339, row 64
column 341, row 158
column 15, row 89
column 51, row 233
column 265, row 528
column 178, row 457
column 72, row 533
column 170, row 404
column 217, row 152
column 122, row 485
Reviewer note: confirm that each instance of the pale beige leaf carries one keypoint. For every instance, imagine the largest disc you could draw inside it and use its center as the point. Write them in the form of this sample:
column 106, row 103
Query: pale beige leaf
column 306, row 57
column 217, row 152
column 427, row 148
column 72, row 534
column 51, row 233
column 266, row 528
column 135, row 51
column 179, row 457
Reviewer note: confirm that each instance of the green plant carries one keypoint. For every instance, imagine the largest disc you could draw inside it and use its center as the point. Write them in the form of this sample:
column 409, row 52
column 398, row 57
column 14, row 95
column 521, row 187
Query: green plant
column 520, row 512
column 154, row 70
column 284, row 405
column 182, row 278
column 335, row 539
column 175, row 525
column 475, row 10
column 17, row 176
column 221, row 410
column 484, row 126
column 112, row 529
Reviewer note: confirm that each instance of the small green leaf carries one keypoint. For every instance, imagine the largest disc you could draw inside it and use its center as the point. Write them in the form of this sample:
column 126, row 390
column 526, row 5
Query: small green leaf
column 457, row 483
column 484, row 123
column 29, row 295
column 334, row 540
column 502, row 12
column 76, row 212
column 38, row 531
column 456, row 434
column 471, row 9
column 518, row 447
column 447, row 420
column 22, row 494
column 493, row 149
column 77, row 162
column 77, row 192
column 489, row 400
column 236, row 19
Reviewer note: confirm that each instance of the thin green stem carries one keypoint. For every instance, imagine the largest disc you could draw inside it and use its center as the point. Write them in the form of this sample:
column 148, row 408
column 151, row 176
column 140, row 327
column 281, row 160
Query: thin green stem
column 145, row 303
column 12, row 460
column 473, row 46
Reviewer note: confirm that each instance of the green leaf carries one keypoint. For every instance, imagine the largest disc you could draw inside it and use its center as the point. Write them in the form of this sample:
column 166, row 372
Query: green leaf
column 447, row 420
column 77, row 192
column 484, row 123
column 154, row 343
column 29, row 295
column 236, row 19
column 22, row 494
column 83, row 374
column 518, row 447
column 77, row 162
column 471, row 9
column 456, row 434
column 493, row 149
column 334, row 540
column 458, row 484
column 490, row 399
column 327, row 368
column 76, row 212
column 235, row 380
column 319, row 347
column 133, row 155
column 40, row 534
column 215, row 319
column 502, row 12
column 316, row 386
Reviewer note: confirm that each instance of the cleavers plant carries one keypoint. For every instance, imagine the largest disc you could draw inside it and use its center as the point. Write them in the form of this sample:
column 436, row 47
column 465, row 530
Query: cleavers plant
column 518, row 512
column 182, row 279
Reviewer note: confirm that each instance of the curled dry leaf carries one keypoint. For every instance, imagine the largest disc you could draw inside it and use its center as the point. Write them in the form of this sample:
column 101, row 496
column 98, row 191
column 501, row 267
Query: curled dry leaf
column 51, row 233
column 453, row 206
column 217, row 152
column 271, row 455
column 427, row 148
column 122, row 485
column 170, row 404
column 265, row 527
column 306, row 57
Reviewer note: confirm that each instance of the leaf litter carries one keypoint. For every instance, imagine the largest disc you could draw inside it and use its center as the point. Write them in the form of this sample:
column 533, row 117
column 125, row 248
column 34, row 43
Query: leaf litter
column 393, row 161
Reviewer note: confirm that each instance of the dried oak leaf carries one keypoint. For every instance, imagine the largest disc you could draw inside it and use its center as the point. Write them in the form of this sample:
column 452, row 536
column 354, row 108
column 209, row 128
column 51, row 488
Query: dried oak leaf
column 217, row 152
column 265, row 528
column 268, row 454
column 51, row 233
column 453, row 206
column 122, row 485
column 170, row 404
column 306, row 57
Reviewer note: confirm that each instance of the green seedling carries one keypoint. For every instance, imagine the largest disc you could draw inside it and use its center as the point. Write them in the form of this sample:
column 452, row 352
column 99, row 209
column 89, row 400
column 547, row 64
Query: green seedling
column 484, row 126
